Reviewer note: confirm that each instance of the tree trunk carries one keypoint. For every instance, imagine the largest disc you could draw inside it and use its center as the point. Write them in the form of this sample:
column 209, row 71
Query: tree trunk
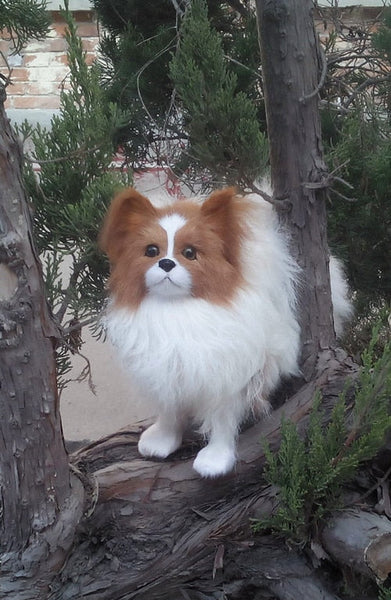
column 290, row 68
column 35, row 479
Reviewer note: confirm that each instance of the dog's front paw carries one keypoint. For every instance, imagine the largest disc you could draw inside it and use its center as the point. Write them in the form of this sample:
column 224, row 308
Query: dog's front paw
column 214, row 460
column 159, row 441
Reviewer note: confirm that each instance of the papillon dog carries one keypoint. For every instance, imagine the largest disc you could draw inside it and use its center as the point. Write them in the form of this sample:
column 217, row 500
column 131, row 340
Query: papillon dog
column 202, row 311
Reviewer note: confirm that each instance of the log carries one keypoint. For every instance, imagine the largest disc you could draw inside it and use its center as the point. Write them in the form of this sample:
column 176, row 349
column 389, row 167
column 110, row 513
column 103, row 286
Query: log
column 361, row 541
column 159, row 531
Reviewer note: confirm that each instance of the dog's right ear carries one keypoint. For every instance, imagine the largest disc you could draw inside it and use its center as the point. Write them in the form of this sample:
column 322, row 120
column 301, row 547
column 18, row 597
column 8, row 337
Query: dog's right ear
column 126, row 213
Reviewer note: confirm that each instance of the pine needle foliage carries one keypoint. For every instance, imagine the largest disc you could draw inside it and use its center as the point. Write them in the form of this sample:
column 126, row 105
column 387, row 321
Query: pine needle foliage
column 72, row 191
column 381, row 38
column 384, row 593
column 361, row 229
column 135, row 76
column 358, row 149
column 139, row 41
column 24, row 20
column 310, row 473
column 221, row 121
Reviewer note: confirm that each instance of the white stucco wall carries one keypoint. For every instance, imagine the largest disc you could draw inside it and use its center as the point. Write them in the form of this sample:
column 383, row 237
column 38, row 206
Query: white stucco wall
column 343, row 3
column 73, row 4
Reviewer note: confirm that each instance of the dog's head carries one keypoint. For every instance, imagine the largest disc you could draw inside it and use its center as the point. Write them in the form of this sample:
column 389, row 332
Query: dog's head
column 184, row 250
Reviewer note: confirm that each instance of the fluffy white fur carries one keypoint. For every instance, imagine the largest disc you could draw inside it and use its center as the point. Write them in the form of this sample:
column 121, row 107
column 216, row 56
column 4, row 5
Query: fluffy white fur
column 342, row 307
column 175, row 283
column 211, row 364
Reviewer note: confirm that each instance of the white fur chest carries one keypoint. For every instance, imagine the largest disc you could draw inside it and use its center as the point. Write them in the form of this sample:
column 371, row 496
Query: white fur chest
column 188, row 352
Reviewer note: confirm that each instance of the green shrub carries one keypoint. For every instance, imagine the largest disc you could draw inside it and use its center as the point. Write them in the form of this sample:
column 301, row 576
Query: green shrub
column 310, row 474
column 71, row 194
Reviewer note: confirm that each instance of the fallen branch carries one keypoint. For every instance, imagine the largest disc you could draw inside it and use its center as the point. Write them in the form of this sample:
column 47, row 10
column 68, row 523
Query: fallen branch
column 361, row 541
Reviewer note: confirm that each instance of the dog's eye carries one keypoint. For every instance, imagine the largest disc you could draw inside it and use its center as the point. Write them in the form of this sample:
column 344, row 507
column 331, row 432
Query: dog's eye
column 189, row 252
column 151, row 251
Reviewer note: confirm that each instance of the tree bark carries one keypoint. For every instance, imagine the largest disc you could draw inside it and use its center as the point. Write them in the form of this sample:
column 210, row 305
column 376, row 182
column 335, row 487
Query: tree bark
column 158, row 531
column 360, row 541
column 291, row 59
column 35, row 483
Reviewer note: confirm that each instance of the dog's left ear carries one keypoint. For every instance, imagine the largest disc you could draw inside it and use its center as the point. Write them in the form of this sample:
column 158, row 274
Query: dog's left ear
column 222, row 212
column 125, row 215
column 219, row 204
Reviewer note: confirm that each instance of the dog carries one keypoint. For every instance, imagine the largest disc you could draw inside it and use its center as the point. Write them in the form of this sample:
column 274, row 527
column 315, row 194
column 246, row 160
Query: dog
column 203, row 314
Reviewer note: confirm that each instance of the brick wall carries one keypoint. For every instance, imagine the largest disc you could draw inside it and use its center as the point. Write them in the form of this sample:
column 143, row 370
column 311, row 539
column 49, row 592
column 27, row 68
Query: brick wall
column 40, row 71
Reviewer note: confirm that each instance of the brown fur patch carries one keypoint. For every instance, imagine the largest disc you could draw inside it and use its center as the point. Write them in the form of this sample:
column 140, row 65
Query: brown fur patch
column 128, row 212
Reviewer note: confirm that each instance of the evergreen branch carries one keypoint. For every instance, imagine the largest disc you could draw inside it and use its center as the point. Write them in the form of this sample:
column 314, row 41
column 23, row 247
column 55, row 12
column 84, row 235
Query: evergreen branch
column 178, row 8
column 6, row 79
column 69, row 292
column 72, row 193
column 264, row 195
column 167, row 48
column 77, row 327
column 86, row 372
column 310, row 474
column 372, row 489
column 81, row 151
column 24, row 20
column 342, row 196
column 240, row 64
column 224, row 133
column 359, row 89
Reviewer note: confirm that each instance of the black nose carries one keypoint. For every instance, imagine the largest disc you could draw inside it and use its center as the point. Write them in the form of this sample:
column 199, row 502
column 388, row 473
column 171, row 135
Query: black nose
column 166, row 264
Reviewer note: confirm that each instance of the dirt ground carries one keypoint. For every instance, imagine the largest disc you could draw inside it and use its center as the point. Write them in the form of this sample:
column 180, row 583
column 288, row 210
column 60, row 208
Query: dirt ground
column 86, row 416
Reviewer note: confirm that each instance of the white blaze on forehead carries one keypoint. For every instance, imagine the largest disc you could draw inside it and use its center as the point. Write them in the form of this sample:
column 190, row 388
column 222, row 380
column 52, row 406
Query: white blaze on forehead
column 171, row 224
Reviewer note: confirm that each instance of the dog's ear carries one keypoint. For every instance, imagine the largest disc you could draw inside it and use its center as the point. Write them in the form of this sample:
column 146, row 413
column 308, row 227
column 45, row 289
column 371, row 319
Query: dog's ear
column 219, row 203
column 126, row 213
column 222, row 212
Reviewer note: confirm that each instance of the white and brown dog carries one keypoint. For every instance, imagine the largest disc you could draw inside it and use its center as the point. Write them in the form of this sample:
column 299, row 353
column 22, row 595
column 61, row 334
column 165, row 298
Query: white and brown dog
column 203, row 313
